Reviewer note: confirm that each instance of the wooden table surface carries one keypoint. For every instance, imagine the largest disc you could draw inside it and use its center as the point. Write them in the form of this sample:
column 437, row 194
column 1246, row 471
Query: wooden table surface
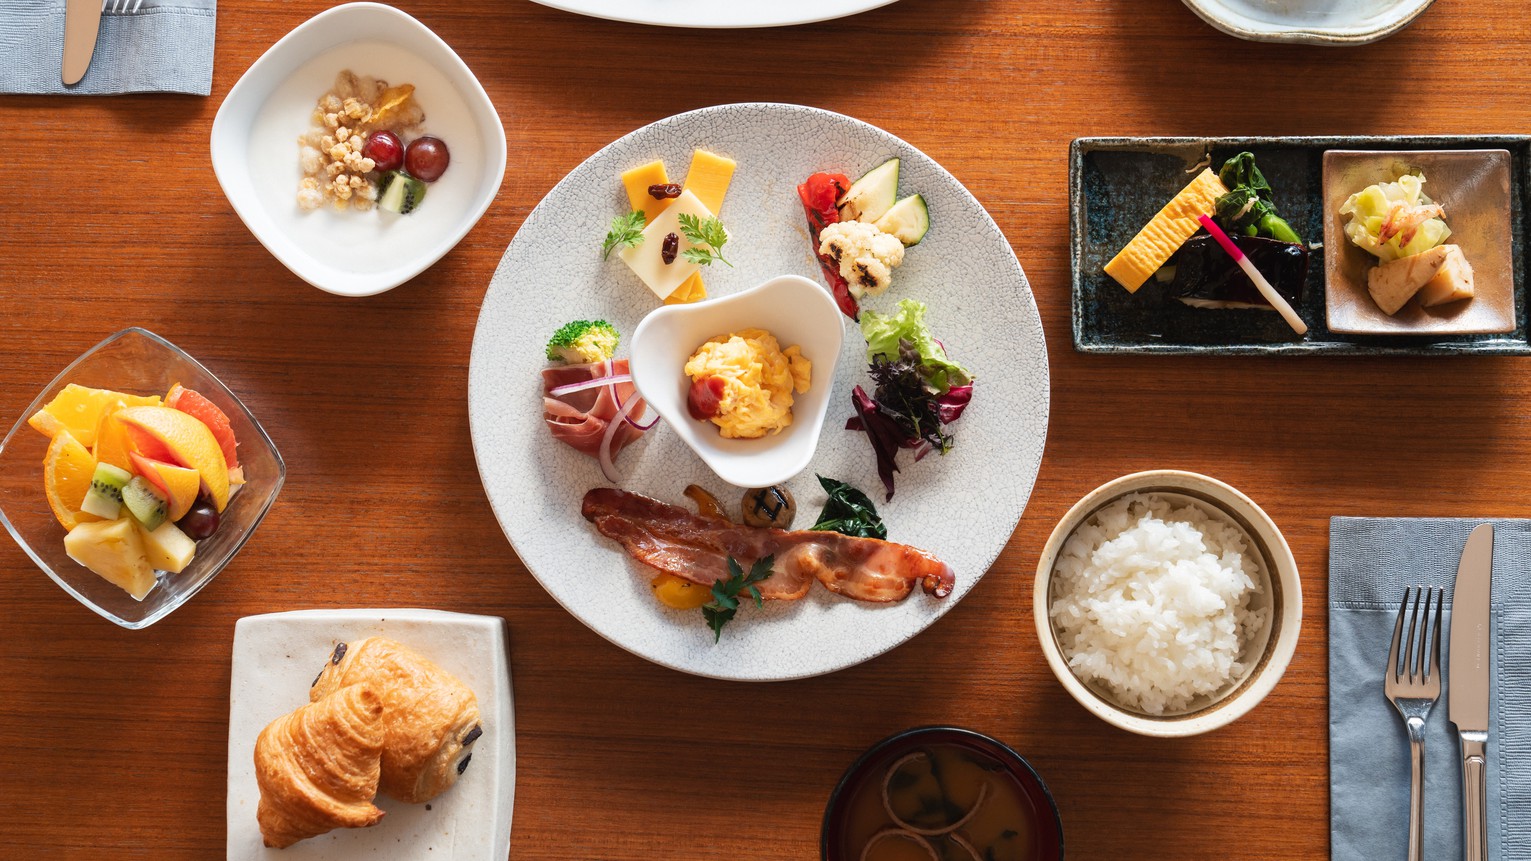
column 115, row 741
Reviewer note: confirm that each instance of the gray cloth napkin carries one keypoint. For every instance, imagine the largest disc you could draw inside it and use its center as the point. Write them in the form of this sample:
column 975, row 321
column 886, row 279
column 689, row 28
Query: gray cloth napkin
column 164, row 47
column 1371, row 560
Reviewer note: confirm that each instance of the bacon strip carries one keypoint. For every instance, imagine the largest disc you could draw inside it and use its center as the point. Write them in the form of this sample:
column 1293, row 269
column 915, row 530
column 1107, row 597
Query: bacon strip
column 580, row 419
column 697, row 548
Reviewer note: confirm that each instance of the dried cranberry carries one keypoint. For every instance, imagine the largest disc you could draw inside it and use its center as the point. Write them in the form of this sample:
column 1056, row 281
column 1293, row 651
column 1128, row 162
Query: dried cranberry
column 665, row 191
column 668, row 250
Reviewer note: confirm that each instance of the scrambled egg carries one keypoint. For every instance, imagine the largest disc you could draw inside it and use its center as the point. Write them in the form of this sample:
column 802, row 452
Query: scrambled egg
column 759, row 379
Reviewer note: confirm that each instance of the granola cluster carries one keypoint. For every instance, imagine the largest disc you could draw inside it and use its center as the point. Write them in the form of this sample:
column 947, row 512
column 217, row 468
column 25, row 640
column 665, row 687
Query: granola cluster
column 330, row 154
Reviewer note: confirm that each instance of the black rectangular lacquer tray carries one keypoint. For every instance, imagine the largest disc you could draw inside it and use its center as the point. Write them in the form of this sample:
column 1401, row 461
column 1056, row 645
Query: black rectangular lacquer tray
column 1117, row 184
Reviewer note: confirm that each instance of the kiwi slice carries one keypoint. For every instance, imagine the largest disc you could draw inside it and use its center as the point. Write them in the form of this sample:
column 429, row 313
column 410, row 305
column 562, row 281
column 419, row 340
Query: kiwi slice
column 402, row 193
column 104, row 499
column 144, row 501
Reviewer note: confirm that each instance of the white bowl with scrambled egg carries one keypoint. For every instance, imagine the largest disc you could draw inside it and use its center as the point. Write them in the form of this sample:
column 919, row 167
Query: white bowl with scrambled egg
column 757, row 439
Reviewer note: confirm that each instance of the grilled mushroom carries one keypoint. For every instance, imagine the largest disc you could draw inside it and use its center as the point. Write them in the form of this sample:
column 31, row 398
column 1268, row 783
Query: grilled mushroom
column 769, row 506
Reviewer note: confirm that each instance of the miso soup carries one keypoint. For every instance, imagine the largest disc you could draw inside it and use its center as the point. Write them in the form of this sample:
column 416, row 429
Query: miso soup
column 942, row 801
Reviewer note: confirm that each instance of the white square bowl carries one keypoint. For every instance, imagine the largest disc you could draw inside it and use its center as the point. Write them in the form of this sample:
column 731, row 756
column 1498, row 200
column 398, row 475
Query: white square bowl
column 276, row 657
column 255, row 149
column 796, row 311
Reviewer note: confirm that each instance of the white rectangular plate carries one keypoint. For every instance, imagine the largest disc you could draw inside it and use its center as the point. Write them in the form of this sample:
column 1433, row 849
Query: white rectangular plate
column 276, row 658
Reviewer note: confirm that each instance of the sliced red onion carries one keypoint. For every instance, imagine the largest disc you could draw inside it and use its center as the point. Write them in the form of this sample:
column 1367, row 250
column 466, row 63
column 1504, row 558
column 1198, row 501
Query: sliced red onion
column 603, row 380
column 900, row 834
column 608, row 468
column 640, row 426
column 616, row 398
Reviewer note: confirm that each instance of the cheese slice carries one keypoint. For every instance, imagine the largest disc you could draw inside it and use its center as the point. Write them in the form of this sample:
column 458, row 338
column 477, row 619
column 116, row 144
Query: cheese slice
column 691, row 291
column 1163, row 235
column 645, row 260
column 637, row 182
column 708, row 178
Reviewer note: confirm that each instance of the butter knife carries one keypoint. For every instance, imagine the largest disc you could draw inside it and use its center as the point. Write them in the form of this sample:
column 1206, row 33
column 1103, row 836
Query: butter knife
column 1468, row 682
column 82, row 22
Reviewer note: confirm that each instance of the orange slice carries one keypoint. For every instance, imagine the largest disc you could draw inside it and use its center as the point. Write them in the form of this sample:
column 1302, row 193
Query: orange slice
column 112, row 439
column 161, row 433
column 67, row 471
column 78, row 410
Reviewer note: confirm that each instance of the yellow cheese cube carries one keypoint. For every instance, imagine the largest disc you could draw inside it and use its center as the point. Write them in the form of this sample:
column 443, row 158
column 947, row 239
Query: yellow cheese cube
column 708, row 178
column 637, row 182
column 691, row 291
column 1162, row 236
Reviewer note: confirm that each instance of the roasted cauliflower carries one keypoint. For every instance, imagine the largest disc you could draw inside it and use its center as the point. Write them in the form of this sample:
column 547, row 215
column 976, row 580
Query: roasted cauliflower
column 866, row 256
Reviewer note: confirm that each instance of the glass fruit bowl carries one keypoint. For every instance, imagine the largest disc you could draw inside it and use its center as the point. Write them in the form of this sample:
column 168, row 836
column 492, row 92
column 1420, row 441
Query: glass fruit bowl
column 135, row 361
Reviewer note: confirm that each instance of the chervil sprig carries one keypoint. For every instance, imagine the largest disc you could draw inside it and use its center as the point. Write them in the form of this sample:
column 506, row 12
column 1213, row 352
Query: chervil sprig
column 707, row 237
column 626, row 230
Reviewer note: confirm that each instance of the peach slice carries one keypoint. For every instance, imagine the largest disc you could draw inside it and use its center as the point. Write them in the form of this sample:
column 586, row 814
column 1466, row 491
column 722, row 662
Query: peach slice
column 171, row 436
column 178, row 483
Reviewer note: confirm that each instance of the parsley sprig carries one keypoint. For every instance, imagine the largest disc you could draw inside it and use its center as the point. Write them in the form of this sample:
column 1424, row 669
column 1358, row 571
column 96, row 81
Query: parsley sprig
column 626, row 230
column 708, row 237
column 725, row 593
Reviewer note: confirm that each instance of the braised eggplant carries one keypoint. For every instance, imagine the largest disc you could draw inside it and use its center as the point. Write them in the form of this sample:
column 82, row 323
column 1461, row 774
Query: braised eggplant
column 1206, row 277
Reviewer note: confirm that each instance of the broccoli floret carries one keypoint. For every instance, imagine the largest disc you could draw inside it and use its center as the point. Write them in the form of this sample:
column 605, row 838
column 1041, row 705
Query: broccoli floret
column 582, row 342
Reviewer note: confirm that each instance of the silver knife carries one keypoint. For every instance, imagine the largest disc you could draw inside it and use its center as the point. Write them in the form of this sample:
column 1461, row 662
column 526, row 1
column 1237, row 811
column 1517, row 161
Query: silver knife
column 1468, row 682
column 82, row 22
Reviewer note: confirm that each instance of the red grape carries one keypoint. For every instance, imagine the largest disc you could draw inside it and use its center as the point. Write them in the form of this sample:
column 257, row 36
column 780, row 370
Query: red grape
column 426, row 158
column 385, row 149
column 200, row 522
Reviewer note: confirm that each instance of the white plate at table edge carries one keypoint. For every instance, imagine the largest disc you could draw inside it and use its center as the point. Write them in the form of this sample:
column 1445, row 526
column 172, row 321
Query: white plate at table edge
column 305, row 639
column 535, row 484
column 713, row 14
column 1340, row 33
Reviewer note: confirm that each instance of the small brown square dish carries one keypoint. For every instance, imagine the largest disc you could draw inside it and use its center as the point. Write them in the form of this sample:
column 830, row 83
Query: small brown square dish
column 1473, row 187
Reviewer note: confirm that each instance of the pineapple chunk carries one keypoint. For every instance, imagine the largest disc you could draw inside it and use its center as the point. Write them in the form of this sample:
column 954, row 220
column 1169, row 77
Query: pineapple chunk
column 168, row 548
column 1394, row 283
column 114, row 550
column 1163, row 235
column 1453, row 282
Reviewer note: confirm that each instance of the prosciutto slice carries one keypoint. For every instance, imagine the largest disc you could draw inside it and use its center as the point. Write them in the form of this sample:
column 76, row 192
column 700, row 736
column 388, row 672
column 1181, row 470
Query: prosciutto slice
column 697, row 548
column 580, row 418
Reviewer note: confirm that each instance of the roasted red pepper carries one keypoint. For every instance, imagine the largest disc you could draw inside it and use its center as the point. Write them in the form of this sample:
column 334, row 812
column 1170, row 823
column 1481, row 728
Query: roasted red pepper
column 819, row 194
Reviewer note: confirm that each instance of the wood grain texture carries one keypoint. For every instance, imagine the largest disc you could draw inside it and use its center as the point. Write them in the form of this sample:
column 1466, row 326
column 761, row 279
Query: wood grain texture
column 114, row 218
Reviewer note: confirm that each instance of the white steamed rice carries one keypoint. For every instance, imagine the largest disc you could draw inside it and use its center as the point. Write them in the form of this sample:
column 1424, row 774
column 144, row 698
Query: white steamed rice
column 1152, row 602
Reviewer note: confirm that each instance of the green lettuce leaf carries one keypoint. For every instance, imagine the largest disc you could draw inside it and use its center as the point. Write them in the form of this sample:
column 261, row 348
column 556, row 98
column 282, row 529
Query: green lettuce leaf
column 883, row 333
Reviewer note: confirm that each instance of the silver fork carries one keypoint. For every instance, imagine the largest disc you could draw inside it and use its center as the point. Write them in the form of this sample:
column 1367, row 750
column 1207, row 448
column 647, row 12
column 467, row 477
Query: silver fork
column 120, row 7
column 1413, row 683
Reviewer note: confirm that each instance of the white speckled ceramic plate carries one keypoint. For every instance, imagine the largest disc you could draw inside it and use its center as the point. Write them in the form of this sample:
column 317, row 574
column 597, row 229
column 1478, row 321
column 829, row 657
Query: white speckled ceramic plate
column 963, row 507
column 277, row 656
column 716, row 13
column 1314, row 22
